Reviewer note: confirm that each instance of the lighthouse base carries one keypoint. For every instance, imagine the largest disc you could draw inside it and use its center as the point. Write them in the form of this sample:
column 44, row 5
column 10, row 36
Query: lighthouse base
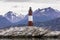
column 30, row 23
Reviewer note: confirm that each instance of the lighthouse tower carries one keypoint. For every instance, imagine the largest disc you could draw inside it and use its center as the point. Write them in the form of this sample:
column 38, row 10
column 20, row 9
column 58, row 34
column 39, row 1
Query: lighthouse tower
column 30, row 17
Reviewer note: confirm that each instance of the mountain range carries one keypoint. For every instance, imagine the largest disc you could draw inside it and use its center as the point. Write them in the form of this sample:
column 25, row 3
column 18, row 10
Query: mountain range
column 12, row 17
column 46, row 17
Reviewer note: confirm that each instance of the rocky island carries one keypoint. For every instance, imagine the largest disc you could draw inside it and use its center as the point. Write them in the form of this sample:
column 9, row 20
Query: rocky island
column 28, row 32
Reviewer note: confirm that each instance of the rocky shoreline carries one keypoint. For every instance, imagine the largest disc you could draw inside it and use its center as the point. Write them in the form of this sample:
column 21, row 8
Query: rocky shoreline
column 28, row 32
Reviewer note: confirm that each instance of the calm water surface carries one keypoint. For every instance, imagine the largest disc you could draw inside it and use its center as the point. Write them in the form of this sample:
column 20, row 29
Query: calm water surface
column 30, row 39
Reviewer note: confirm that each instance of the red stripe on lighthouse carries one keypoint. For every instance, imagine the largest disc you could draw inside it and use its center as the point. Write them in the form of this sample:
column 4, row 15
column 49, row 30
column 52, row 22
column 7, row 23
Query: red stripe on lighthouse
column 30, row 18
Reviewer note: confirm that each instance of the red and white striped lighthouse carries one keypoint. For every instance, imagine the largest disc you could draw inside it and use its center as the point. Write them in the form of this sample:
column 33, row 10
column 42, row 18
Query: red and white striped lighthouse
column 30, row 17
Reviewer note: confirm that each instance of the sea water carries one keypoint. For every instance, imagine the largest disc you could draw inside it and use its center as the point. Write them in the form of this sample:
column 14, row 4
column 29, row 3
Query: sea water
column 30, row 39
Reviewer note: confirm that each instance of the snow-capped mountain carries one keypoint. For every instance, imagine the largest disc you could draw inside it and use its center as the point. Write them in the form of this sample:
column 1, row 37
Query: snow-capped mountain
column 47, row 17
column 11, row 16
column 45, row 14
column 42, row 15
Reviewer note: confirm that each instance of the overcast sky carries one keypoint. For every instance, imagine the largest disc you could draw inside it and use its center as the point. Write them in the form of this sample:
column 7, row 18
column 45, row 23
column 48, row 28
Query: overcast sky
column 36, row 1
column 22, row 6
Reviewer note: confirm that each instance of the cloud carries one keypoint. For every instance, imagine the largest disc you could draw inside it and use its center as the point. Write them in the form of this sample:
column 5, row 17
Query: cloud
column 35, row 1
column 16, row 0
column 46, row 1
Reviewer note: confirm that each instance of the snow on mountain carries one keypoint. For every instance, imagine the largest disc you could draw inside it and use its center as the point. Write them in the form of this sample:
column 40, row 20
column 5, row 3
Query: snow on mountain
column 45, row 14
column 47, row 17
column 42, row 15
column 11, row 16
column 39, row 15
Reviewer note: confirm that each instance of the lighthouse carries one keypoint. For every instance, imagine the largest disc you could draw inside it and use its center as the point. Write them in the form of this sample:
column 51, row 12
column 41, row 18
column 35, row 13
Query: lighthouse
column 30, row 17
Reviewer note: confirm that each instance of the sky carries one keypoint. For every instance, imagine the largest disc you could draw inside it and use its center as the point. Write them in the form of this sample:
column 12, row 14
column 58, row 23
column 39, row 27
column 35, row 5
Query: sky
column 22, row 6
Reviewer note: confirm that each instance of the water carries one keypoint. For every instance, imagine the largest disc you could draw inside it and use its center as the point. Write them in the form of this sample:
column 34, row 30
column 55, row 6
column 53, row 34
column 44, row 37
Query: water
column 30, row 39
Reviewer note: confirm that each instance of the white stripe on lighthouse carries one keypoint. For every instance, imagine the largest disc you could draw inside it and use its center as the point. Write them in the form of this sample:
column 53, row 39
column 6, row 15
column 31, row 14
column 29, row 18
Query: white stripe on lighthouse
column 30, row 18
